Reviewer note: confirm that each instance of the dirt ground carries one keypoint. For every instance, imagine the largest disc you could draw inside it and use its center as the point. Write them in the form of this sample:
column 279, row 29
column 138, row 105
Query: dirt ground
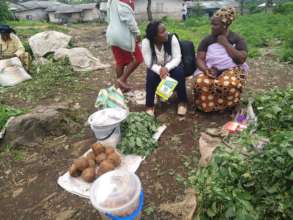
column 28, row 187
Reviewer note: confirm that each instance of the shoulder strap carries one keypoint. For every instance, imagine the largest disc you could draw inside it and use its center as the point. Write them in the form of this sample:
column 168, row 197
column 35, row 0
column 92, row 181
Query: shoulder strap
column 168, row 44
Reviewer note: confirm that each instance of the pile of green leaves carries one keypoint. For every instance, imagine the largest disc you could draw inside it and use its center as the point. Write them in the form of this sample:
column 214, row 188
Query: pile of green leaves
column 137, row 132
column 6, row 112
column 275, row 111
column 258, row 186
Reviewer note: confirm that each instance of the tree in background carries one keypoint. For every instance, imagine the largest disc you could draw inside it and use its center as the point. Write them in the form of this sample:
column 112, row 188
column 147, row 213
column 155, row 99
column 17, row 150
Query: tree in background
column 4, row 11
column 197, row 10
column 269, row 5
column 242, row 6
column 149, row 10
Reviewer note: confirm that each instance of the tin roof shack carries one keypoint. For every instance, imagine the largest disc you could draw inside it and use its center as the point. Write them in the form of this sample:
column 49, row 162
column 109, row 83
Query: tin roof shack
column 32, row 10
column 73, row 13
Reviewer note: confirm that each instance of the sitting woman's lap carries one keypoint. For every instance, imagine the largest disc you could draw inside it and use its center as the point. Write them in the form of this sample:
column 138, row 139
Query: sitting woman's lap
column 220, row 93
column 153, row 80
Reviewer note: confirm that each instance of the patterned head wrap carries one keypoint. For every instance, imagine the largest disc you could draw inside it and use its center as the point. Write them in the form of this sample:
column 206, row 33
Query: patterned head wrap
column 227, row 14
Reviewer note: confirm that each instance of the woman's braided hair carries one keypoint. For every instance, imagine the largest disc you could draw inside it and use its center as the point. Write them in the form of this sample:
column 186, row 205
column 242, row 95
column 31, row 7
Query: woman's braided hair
column 150, row 33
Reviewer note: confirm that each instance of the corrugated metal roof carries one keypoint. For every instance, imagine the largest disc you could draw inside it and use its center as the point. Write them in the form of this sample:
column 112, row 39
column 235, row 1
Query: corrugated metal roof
column 30, row 5
column 71, row 8
column 51, row 6
column 15, row 7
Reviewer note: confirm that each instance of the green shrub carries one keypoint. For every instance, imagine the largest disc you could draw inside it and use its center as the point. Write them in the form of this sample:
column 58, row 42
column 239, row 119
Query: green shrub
column 284, row 8
column 4, row 11
column 287, row 55
column 6, row 112
column 27, row 48
column 48, row 80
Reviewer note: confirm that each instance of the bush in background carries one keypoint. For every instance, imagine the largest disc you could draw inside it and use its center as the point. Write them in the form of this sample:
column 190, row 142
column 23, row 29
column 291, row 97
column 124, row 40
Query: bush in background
column 284, row 8
column 4, row 11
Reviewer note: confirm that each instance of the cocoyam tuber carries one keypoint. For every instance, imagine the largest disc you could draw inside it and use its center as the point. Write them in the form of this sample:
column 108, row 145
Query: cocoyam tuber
column 100, row 158
column 88, row 174
column 73, row 171
column 98, row 148
column 91, row 156
column 109, row 150
column 106, row 166
column 81, row 163
column 114, row 158
column 92, row 163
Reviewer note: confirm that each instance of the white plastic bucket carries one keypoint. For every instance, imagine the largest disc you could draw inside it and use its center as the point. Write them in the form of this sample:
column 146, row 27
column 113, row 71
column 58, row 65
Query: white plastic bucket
column 106, row 124
column 108, row 137
column 118, row 194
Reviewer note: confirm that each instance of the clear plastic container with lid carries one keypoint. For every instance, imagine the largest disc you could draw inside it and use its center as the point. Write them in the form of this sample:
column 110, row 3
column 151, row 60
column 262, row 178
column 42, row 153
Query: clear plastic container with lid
column 116, row 193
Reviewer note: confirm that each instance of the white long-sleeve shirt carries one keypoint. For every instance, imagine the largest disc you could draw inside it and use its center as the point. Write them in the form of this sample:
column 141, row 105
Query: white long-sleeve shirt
column 163, row 59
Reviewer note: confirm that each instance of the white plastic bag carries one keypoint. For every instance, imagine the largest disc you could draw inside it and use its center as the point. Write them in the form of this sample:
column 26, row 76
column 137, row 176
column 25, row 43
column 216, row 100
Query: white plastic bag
column 12, row 72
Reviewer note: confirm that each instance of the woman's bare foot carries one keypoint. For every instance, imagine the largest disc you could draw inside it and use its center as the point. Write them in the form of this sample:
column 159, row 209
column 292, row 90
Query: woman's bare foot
column 182, row 109
column 150, row 111
column 123, row 86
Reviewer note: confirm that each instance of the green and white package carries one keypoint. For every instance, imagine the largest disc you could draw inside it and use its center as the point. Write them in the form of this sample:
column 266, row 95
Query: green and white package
column 166, row 88
column 110, row 98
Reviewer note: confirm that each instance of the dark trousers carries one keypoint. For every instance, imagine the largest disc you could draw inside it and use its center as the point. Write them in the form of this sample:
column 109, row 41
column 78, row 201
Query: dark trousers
column 153, row 80
column 183, row 17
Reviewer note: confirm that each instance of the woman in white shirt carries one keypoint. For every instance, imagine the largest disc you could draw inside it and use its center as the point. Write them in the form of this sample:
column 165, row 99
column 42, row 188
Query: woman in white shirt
column 162, row 58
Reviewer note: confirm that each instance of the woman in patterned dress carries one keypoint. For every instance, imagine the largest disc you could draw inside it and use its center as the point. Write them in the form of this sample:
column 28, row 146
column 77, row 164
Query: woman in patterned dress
column 222, row 70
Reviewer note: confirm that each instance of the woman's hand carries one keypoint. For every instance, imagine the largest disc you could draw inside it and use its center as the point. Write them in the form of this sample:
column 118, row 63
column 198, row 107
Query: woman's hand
column 211, row 72
column 222, row 39
column 138, row 39
column 238, row 57
column 164, row 72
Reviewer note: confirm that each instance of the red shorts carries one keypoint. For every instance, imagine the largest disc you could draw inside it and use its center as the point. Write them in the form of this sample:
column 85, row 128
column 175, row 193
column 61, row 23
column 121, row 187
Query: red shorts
column 124, row 57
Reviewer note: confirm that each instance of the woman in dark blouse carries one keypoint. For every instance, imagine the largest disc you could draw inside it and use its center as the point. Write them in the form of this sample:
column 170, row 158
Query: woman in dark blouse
column 222, row 70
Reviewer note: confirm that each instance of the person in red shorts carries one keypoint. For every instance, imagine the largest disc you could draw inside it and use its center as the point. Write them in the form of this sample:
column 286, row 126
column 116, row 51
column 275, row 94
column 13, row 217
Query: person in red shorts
column 123, row 36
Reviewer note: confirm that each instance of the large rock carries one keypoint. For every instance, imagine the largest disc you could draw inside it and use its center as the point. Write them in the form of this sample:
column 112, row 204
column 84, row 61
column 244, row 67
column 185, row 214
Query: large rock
column 43, row 121
column 48, row 41
column 80, row 58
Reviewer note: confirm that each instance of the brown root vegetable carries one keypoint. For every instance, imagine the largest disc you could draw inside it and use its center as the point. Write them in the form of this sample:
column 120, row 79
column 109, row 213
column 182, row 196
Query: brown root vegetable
column 73, row 171
column 92, row 163
column 115, row 159
column 81, row 163
column 88, row 174
column 99, row 173
column 98, row 148
column 100, row 158
column 91, row 156
column 109, row 150
column 106, row 166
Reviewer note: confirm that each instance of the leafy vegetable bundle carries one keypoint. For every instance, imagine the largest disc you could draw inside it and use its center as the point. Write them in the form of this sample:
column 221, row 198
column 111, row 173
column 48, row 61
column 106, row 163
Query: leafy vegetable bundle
column 258, row 186
column 137, row 132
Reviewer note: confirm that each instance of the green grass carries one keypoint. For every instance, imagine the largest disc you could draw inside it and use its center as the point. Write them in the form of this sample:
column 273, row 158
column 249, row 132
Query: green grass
column 260, row 30
column 48, row 81
column 6, row 112
column 26, row 28
column 8, row 151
